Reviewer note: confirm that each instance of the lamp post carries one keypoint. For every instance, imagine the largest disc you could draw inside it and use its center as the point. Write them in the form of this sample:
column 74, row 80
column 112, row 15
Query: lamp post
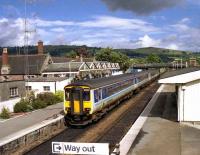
column 70, row 67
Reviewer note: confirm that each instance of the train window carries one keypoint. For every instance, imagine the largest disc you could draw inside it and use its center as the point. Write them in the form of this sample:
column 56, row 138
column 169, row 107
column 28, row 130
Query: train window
column 104, row 93
column 96, row 95
column 76, row 95
column 86, row 95
column 100, row 92
column 67, row 94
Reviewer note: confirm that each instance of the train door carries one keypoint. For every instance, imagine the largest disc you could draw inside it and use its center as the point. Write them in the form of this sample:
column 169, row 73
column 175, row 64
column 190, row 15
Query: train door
column 76, row 100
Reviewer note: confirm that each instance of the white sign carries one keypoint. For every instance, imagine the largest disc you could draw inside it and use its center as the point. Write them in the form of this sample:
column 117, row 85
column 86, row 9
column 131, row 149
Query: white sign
column 80, row 148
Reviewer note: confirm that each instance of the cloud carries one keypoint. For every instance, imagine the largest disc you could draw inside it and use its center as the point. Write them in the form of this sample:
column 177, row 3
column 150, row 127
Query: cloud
column 146, row 41
column 102, row 31
column 141, row 7
column 172, row 46
column 59, row 30
column 184, row 20
column 118, row 23
column 48, row 23
column 10, row 11
column 10, row 33
column 188, row 36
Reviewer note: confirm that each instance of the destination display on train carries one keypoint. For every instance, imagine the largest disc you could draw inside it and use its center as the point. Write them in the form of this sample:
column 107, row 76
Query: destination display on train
column 80, row 148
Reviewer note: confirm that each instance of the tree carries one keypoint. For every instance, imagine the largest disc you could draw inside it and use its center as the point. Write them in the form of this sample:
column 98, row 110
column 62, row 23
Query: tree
column 108, row 54
column 71, row 54
column 153, row 58
column 138, row 61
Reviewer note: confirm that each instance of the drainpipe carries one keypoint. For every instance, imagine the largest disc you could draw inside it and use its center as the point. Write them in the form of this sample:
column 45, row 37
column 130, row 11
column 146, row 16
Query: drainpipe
column 55, row 86
column 183, row 90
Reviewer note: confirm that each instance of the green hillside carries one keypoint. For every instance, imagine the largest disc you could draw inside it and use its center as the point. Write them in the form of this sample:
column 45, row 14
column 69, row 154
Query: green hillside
column 165, row 54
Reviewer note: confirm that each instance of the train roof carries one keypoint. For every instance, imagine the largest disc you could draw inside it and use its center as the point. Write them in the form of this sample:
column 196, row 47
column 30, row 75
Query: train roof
column 100, row 82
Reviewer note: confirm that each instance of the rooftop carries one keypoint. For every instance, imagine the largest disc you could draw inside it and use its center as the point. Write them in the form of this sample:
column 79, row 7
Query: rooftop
column 49, row 79
column 19, row 63
column 181, row 76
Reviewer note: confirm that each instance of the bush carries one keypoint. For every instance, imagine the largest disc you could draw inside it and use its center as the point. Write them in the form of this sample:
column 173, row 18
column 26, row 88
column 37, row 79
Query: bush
column 59, row 95
column 48, row 98
column 30, row 96
column 23, row 106
column 38, row 104
column 5, row 113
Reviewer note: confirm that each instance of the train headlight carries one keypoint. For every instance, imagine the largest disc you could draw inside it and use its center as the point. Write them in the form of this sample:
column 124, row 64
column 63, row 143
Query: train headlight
column 87, row 110
column 67, row 109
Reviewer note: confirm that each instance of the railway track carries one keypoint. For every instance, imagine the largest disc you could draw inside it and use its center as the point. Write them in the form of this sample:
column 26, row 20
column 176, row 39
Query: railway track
column 110, row 129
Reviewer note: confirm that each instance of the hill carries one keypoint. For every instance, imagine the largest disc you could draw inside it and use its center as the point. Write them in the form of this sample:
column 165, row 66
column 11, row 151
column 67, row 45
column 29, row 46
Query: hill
column 61, row 50
column 165, row 54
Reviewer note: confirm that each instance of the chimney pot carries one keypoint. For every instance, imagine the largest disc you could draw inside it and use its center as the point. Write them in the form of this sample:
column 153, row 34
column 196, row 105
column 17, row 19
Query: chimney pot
column 40, row 47
column 5, row 50
column 5, row 68
column 5, row 57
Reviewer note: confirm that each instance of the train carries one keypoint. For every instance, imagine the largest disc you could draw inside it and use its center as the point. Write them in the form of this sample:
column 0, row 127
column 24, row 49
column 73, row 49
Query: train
column 86, row 101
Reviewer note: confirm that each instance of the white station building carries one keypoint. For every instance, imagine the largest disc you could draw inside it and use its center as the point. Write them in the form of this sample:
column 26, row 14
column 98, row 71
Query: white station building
column 187, row 82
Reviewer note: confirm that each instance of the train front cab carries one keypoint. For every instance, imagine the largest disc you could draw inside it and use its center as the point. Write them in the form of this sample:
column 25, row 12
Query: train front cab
column 77, row 104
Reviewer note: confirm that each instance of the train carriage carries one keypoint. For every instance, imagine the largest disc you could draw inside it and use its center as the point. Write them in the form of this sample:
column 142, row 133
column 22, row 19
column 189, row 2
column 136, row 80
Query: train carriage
column 85, row 101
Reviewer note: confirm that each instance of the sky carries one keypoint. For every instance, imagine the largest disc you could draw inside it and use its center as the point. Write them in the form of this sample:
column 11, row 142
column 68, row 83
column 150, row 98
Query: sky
column 173, row 24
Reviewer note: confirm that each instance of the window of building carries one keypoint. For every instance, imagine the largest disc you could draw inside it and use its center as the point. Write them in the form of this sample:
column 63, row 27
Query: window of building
column 46, row 88
column 28, row 88
column 14, row 92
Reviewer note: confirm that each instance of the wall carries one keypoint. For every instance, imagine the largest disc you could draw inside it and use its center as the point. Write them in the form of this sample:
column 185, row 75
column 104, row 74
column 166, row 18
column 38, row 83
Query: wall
column 37, row 87
column 5, row 89
column 191, row 104
column 5, row 99
column 188, row 102
column 9, row 104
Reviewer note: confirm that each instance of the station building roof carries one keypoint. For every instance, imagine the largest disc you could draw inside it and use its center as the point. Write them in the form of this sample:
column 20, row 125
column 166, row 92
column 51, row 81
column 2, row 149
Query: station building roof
column 49, row 79
column 181, row 76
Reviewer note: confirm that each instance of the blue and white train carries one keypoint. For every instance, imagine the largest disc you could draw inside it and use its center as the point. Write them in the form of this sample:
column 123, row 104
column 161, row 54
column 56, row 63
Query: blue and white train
column 86, row 101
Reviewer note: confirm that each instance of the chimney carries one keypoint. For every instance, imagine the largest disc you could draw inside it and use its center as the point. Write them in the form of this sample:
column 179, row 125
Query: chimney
column 40, row 47
column 5, row 69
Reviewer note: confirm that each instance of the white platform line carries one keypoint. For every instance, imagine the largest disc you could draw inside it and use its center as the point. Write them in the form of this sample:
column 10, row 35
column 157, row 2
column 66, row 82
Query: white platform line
column 128, row 139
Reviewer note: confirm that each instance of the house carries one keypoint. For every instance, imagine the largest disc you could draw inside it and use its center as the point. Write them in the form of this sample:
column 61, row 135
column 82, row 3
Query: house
column 43, row 84
column 12, row 88
column 27, row 65
column 15, row 70
column 187, row 83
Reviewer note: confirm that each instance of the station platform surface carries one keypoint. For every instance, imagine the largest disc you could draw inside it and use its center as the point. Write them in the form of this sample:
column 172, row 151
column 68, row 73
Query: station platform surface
column 14, row 125
column 161, row 134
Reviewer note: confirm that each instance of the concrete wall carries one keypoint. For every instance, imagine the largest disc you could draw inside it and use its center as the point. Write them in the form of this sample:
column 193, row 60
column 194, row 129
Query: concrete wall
column 189, row 101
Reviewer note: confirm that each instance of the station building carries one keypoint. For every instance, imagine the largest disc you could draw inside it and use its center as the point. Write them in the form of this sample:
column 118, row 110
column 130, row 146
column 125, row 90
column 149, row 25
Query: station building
column 187, row 83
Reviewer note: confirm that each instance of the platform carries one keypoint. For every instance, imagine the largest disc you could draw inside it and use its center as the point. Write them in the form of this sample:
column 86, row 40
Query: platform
column 162, row 134
column 14, row 125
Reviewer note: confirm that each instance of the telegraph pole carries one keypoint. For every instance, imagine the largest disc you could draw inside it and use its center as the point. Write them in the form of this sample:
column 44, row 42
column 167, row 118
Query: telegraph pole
column 26, row 39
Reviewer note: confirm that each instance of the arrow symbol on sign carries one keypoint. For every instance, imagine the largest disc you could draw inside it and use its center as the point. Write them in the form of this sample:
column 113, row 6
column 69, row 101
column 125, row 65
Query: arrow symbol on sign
column 59, row 148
